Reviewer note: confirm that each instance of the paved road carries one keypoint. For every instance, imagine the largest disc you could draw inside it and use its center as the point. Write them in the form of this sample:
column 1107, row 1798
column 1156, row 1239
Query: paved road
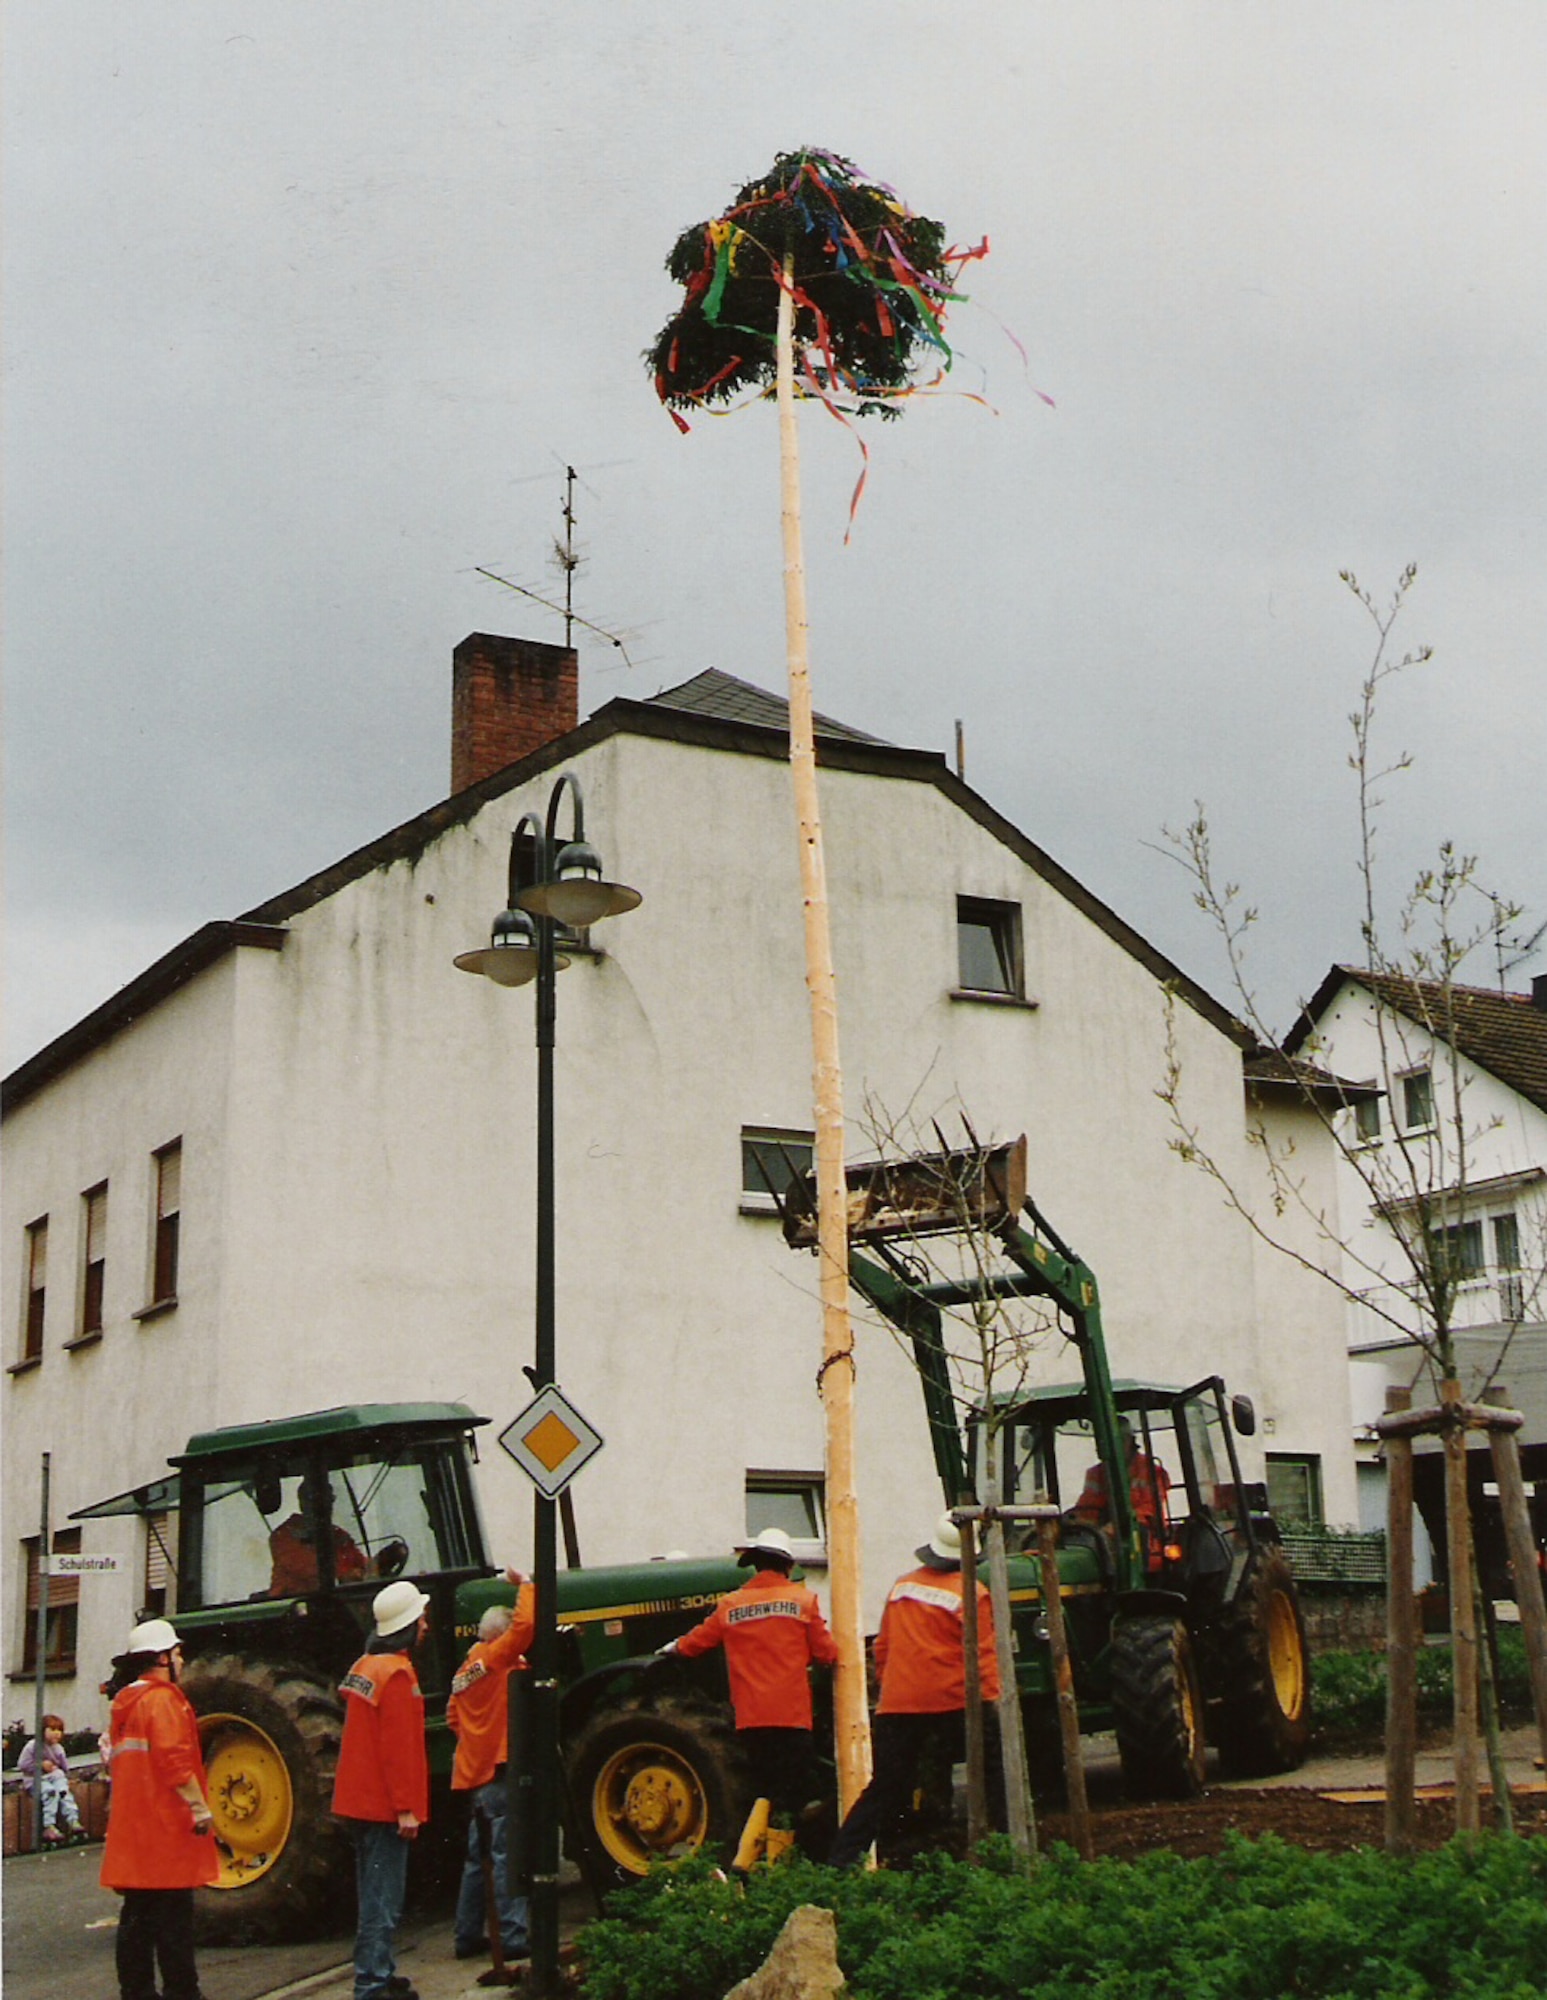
column 59, row 1929
column 59, row 1935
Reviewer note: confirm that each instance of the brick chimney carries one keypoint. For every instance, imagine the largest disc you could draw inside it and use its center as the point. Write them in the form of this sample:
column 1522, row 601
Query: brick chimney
column 1539, row 992
column 508, row 698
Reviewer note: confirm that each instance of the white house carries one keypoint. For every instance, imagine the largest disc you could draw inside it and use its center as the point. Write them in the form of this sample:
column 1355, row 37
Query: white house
column 291, row 1165
column 1453, row 1143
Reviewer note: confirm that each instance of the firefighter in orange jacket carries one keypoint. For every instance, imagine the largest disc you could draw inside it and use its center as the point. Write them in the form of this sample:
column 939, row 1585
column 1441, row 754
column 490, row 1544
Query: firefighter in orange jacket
column 158, row 1848
column 479, row 1714
column 919, row 1655
column 382, row 1785
column 772, row 1630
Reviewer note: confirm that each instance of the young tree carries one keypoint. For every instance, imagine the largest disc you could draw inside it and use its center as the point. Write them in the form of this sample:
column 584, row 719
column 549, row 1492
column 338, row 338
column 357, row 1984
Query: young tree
column 822, row 284
column 1412, row 1267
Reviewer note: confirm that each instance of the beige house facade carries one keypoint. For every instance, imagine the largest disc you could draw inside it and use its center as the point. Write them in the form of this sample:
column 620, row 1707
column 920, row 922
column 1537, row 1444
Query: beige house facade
column 292, row 1165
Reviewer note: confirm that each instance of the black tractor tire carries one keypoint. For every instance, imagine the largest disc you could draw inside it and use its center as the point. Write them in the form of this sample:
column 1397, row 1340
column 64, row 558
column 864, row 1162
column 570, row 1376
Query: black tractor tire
column 1157, row 1704
column 270, row 1735
column 650, row 1784
column 1262, row 1670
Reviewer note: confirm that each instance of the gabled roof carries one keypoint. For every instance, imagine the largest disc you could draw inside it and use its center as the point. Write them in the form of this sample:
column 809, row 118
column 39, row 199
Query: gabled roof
column 714, row 711
column 714, row 693
column 1503, row 1033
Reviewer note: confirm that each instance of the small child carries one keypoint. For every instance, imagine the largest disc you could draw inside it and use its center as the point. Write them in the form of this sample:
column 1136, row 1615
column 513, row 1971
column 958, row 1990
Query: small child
column 53, row 1781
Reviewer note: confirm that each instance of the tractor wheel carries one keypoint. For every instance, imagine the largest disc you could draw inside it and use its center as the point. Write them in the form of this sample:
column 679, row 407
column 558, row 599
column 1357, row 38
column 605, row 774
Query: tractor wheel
column 270, row 1737
column 1158, row 1708
column 654, row 1784
column 1263, row 1673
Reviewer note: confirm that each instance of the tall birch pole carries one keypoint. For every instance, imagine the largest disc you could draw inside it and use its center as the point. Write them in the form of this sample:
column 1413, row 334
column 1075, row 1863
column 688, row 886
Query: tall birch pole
column 816, row 265
column 851, row 1722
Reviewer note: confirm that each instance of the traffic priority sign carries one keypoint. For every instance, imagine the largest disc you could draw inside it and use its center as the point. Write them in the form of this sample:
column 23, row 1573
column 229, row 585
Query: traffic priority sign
column 550, row 1441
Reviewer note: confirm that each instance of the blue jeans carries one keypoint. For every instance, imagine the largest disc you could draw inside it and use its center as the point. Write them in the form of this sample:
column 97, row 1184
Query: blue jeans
column 472, row 1926
column 381, row 1879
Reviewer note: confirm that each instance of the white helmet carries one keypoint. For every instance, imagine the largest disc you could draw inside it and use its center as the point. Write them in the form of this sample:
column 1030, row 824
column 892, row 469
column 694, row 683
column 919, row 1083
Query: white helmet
column 943, row 1550
column 767, row 1542
column 397, row 1607
column 154, row 1636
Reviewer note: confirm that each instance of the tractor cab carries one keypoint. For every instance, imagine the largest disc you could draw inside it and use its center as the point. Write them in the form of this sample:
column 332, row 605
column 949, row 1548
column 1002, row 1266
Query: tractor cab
column 1192, row 1520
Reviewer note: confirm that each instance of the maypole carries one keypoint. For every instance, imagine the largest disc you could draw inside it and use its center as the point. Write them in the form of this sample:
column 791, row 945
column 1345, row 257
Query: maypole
column 828, row 286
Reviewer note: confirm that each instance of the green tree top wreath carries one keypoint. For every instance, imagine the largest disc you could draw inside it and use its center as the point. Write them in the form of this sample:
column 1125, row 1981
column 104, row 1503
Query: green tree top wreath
column 870, row 282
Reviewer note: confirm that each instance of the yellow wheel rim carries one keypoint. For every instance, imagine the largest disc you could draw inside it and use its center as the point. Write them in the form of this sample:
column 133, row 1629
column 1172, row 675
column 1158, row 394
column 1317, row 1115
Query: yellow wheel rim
column 249, row 1795
column 647, row 1803
column 1286, row 1657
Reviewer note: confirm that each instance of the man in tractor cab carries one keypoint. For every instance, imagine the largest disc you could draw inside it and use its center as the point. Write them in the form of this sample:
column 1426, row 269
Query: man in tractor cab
column 921, row 1659
column 293, row 1545
column 772, row 1630
column 1149, row 1490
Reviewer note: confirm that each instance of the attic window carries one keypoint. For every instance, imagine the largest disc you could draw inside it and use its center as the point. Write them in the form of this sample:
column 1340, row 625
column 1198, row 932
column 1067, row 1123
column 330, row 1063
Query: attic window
column 988, row 947
column 1417, row 1101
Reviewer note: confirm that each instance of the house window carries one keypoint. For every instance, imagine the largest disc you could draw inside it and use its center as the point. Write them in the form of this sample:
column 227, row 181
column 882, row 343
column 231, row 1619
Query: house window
column 1294, row 1489
column 1367, row 1121
column 93, row 1259
column 1456, row 1252
column 1417, row 1100
column 169, row 1202
column 63, row 1608
column 795, row 1502
column 988, row 947
column 158, row 1566
column 771, row 1158
column 1506, row 1258
column 37, row 1289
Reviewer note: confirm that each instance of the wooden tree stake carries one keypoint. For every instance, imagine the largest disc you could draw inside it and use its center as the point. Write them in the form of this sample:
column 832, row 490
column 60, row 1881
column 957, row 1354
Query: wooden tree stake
column 1063, row 1674
column 1528, row 1579
column 1463, row 1618
column 1401, row 1642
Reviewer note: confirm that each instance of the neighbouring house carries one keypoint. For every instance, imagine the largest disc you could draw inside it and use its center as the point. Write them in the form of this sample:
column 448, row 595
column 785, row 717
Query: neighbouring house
column 1449, row 1145
column 291, row 1165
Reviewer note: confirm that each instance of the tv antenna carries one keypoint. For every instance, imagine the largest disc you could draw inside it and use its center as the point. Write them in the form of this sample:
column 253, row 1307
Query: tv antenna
column 1519, row 948
column 568, row 559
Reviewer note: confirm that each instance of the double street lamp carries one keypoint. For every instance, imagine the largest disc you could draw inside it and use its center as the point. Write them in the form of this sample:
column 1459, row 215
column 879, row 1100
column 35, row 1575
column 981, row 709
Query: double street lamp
column 552, row 884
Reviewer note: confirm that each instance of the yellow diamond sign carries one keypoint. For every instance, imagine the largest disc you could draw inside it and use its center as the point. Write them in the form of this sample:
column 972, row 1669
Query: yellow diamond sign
column 550, row 1441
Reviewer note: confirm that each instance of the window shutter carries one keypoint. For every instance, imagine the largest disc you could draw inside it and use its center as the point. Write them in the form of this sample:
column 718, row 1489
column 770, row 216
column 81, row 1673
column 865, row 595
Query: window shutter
column 61, row 1589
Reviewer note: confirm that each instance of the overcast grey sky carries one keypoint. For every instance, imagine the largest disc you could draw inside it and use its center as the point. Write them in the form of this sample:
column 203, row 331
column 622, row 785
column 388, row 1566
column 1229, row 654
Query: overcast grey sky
column 306, row 306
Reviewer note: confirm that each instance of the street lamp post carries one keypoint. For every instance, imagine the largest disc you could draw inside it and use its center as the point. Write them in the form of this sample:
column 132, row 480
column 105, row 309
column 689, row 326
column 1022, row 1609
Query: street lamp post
column 566, row 887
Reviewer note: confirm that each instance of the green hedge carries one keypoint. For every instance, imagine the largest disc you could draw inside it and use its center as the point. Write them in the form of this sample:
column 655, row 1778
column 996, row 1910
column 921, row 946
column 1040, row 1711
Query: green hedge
column 1348, row 1690
column 1261, row 1921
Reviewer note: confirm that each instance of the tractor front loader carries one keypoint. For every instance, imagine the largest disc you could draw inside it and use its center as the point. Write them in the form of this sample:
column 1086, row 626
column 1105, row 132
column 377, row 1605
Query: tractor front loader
column 1183, row 1618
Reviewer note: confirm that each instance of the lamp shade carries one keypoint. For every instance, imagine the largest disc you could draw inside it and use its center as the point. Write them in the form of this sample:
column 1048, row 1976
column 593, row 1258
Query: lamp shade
column 576, row 894
column 510, row 956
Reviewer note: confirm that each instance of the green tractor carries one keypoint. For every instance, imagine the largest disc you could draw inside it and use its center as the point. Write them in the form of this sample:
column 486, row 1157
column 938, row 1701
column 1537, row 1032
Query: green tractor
column 286, row 1532
column 1182, row 1614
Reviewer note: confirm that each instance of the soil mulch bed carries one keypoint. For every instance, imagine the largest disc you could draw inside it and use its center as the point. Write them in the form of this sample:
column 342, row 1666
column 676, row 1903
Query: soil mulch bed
column 1304, row 1818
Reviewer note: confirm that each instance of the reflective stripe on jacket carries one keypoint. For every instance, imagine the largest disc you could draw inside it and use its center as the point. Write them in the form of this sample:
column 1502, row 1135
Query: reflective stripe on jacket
column 479, row 1710
column 918, row 1650
column 771, row 1630
column 382, row 1766
column 153, row 1747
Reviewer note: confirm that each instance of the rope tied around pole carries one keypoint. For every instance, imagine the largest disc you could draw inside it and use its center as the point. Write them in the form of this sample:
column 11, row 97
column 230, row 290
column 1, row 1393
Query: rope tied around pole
column 838, row 1354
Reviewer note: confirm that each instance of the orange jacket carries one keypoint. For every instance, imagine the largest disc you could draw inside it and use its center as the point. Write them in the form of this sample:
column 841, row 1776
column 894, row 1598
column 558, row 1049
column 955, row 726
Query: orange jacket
column 382, row 1766
column 293, row 1554
column 771, row 1630
column 154, row 1748
column 919, row 1652
column 479, row 1710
